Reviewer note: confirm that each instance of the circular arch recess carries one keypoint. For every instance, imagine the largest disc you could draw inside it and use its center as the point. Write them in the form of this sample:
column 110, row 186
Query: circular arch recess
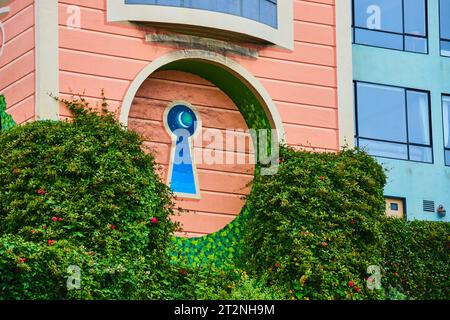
column 255, row 105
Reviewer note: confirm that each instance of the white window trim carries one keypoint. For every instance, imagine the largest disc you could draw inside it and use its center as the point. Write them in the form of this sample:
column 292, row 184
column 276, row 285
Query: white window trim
column 283, row 36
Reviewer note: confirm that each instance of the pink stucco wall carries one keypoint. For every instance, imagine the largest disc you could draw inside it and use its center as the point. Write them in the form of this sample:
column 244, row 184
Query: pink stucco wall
column 17, row 64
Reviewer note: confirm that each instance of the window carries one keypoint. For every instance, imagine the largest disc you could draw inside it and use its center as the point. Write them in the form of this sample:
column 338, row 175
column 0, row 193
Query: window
column 395, row 207
column 393, row 122
column 264, row 11
column 446, row 116
column 444, row 10
column 391, row 24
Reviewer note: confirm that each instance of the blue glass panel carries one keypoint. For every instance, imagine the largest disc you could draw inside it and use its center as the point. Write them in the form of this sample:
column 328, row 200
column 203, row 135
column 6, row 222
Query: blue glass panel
column 264, row 11
column 268, row 12
column 415, row 21
column 390, row 14
column 229, row 6
column 445, row 19
column 446, row 120
column 418, row 117
column 381, row 112
column 415, row 44
column 421, row 154
column 384, row 149
column 445, row 48
column 250, row 9
column 379, row 39
column 447, row 157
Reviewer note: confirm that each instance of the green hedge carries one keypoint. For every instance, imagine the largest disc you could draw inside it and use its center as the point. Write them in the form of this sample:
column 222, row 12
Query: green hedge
column 417, row 258
column 83, row 193
column 317, row 225
column 82, row 187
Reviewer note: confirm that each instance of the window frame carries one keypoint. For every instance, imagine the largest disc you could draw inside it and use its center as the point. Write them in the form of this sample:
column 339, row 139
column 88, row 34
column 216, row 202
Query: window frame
column 403, row 35
column 408, row 144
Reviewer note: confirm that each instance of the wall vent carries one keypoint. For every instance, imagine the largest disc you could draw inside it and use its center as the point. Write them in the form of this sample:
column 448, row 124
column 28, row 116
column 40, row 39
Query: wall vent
column 428, row 206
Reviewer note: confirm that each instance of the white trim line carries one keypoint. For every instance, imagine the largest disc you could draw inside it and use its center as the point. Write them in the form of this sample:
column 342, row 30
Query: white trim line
column 47, row 59
column 282, row 36
column 211, row 57
column 344, row 60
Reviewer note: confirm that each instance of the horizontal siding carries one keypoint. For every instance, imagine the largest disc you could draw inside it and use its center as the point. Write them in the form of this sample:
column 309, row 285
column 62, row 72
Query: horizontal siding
column 302, row 83
column 17, row 64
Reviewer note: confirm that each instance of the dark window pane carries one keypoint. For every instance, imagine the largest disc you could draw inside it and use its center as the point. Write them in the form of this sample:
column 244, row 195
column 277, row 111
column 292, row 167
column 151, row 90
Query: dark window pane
column 169, row 2
column 268, row 12
column 383, row 15
column 229, row 6
column 415, row 17
column 379, row 39
column 445, row 48
column 422, row 154
column 446, row 120
column 381, row 112
column 250, row 9
column 418, row 117
column 445, row 19
column 447, row 157
column 415, row 44
column 384, row 149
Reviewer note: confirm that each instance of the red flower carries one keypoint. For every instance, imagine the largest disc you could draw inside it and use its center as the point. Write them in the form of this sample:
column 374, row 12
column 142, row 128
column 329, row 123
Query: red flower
column 277, row 265
column 60, row 219
column 51, row 242
column 154, row 220
column 353, row 221
column 41, row 191
column 395, row 274
column 322, row 178
column 324, row 244
column 21, row 260
column 54, row 219
column 350, row 283
column 33, row 231
column 44, row 227
column 182, row 272
column 357, row 289
column 113, row 227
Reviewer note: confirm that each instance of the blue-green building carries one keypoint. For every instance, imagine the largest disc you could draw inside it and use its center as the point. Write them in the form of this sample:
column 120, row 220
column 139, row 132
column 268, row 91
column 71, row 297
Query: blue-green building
column 401, row 74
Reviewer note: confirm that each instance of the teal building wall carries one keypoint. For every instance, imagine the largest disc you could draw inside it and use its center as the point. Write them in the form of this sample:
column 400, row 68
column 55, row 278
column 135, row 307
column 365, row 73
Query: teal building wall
column 412, row 180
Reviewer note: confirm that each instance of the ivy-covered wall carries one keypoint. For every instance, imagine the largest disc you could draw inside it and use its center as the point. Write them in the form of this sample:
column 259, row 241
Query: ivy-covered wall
column 6, row 121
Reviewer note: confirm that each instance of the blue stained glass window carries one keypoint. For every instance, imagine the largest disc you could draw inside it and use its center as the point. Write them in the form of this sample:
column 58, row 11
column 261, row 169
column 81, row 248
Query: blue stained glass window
column 391, row 24
column 444, row 9
column 393, row 122
column 264, row 11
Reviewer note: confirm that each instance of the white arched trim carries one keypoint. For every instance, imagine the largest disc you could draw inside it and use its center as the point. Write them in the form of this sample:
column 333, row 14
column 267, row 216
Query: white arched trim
column 211, row 57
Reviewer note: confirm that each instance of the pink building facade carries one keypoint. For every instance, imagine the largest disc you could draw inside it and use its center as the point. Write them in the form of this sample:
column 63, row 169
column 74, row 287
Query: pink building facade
column 147, row 64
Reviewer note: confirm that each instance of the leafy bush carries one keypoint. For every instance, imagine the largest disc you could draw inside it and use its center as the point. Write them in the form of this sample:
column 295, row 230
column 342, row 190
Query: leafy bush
column 81, row 188
column 417, row 258
column 315, row 226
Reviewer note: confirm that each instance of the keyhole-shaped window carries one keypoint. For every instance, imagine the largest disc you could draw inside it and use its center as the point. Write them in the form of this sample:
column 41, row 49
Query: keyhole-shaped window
column 182, row 123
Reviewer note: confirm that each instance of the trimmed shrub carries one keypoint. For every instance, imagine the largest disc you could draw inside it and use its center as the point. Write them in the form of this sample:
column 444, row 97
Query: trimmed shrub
column 417, row 258
column 81, row 193
column 314, row 227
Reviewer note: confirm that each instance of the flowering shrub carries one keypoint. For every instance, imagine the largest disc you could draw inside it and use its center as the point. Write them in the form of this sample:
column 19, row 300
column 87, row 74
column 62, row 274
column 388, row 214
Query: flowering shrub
column 316, row 226
column 83, row 187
